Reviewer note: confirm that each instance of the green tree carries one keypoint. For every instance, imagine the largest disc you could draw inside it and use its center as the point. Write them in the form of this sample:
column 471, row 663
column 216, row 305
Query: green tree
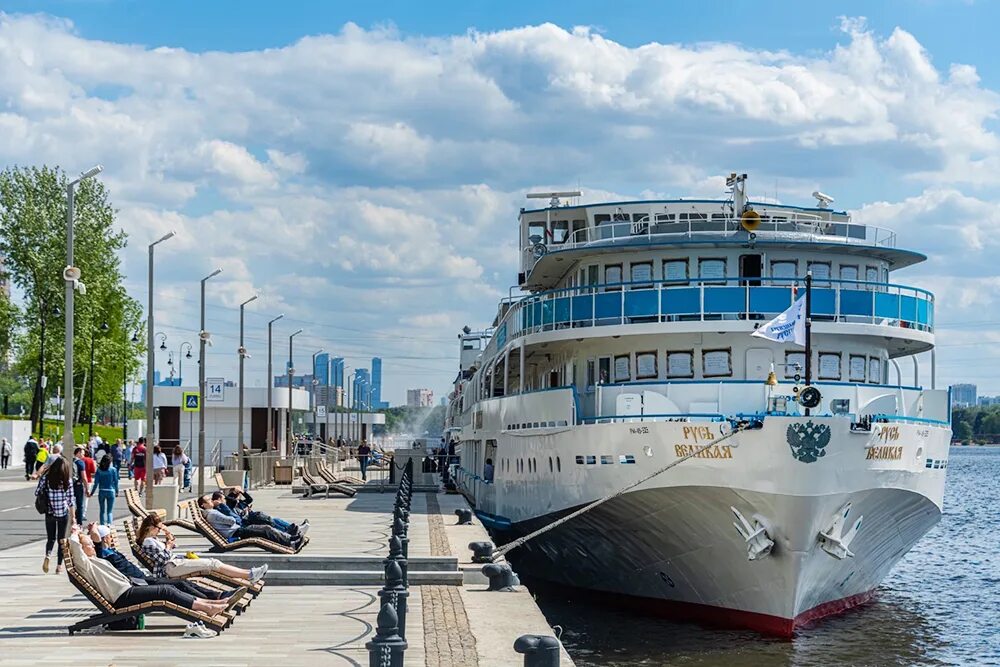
column 33, row 243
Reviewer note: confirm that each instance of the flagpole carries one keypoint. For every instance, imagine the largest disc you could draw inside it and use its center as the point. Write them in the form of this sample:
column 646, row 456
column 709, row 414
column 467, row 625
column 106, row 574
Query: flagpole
column 809, row 282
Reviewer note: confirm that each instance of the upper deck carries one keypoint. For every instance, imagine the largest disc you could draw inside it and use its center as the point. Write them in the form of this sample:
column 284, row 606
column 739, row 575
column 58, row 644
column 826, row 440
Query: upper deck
column 549, row 236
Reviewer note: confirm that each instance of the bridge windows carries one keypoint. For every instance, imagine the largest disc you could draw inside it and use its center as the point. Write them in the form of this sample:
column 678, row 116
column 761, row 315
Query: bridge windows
column 829, row 366
column 820, row 271
column 612, row 276
column 784, row 269
column 856, row 368
column 675, row 270
column 622, row 368
column 875, row 370
column 645, row 365
column 795, row 364
column 716, row 363
column 871, row 274
column 849, row 272
column 641, row 273
column 680, row 364
column 712, row 270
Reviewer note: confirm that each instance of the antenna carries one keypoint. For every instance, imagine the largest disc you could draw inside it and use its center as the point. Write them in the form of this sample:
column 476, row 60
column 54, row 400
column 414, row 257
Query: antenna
column 823, row 200
column 553, row 197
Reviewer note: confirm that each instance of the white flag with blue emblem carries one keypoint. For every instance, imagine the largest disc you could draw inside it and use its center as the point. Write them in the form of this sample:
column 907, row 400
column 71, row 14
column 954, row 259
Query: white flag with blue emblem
column 788, row 327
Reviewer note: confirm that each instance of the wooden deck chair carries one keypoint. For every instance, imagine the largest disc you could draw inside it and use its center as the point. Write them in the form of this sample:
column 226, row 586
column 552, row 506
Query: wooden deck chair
column 132, row 530
column 109, row 613
column 338, row 484
column 135, row 506
column 221, row 545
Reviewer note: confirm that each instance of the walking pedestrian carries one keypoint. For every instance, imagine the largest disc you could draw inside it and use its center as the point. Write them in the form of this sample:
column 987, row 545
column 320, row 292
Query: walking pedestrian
column 78, row 476
column 91, row 465
column 106, row 484
column 363, row 453
column 139, row 465
column 117, row 452
column 159, row 464
column 5, row 453
column 30, row 452
column 55, row 484
column 42, row 456
column 127, row 458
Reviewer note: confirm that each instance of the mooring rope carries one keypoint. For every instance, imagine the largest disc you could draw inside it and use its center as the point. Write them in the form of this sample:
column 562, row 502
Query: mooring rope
column 600, row 501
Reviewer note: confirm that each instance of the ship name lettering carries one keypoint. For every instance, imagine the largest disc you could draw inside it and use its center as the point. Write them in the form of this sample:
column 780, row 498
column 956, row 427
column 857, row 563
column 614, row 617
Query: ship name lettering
column 698, row 433
column 885, row 453
column 711, row 452
column 888, row 433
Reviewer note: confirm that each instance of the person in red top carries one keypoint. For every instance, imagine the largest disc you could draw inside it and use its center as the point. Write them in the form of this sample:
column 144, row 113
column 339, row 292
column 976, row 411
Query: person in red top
column 90, row 467
column 138, row 465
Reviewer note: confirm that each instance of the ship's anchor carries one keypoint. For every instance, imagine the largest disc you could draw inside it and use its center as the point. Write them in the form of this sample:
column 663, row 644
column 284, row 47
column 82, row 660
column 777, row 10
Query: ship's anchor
column 834, row 541
column 759, row 545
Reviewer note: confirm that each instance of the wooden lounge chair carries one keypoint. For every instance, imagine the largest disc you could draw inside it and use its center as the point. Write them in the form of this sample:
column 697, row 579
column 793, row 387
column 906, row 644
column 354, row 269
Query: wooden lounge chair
column 330, row 477
column 135, row 506
column 318, row 485
column 132, row 530
column 221, row 545
column 109, row 613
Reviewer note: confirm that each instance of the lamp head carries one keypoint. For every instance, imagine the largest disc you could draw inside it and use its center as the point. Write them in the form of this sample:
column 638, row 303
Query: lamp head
column 105, row 327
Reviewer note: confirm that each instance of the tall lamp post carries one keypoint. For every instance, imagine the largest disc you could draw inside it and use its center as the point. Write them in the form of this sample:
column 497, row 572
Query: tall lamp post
column 315, row 399
column 150, row 364
column 135, row 339
column 71, row 274
column 270, row 386
column 243, row 355
column 90, row 421
column 291, row 375
column 203, row 339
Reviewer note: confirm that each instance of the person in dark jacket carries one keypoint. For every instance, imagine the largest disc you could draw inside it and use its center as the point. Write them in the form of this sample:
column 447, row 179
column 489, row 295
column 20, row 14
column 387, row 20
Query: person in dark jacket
column 30, row 454
column 237, row 504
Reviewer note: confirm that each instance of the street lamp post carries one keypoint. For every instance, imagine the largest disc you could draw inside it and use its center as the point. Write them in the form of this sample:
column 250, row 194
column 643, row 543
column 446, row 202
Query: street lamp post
column 315, row 387
column 71, row 275
column 270, row 386
column 150, row 367
column 90, row 420
column 135, row 339
column 203, row 339
column 243, row 355
column 291, row 375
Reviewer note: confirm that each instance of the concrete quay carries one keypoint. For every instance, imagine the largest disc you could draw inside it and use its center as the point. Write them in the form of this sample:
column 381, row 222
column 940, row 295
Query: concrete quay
column 318, row 608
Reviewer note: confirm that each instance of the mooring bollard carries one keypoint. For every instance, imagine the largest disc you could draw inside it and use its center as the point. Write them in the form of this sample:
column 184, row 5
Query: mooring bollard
column 482, row 552
column 387, row 647
column 538, row 650
column 501, row 576
column 464, row 516
column 395, row 593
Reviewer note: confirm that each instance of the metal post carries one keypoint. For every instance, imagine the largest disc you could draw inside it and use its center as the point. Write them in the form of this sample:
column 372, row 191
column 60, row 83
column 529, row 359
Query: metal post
column 150, row 365
column 808, row 369
column 270, row 385
column 291, row 375
column 202, row 340
column 315, row 386
column 243, row 354
column 90, row 420
column 326, row 403
column 124, row 399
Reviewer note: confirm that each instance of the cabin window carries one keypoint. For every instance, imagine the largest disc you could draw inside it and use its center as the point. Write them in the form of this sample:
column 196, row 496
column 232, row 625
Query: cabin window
column 795, row 364
column 536, row 232
column 579, row 460
column 622, row 370
column 558, row 465
column 601, row 218
column 693, row 217
column 871, row 274
column 612, row 276
column 550, row 464
column 675, row 270
column 716, row 363
column 642, row 273
column 856, row 368
column 784, row 269
column 591, row 373
column 591, row 460
column 820, row 271
column 712, row 270
column 579, row 233
column 626, row 458
column 664, row 217
column 604, row 370
column 849, row 272
column 829, row 365
column 875, row 370
column 607, row 459
column 680, row 364
column 645, row 365
column 560, row 230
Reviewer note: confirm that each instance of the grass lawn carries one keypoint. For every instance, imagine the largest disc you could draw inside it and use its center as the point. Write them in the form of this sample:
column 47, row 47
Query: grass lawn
column 107, row 433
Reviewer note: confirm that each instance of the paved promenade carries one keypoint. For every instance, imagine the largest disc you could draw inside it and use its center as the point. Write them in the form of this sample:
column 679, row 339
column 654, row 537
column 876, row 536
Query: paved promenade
column 293, row 624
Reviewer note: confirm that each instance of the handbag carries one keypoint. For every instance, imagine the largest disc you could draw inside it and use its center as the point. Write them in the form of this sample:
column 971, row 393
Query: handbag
column 42, row 502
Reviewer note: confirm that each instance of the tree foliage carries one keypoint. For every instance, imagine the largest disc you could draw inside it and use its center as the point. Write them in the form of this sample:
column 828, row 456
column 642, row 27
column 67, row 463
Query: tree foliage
column 33, row 210
column 976, row 424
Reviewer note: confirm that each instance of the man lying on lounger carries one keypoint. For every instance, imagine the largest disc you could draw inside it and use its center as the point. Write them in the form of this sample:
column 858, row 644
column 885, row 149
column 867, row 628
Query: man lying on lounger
column 233, row 529
column 236, row 503
column 100, row 537
column 124, row 592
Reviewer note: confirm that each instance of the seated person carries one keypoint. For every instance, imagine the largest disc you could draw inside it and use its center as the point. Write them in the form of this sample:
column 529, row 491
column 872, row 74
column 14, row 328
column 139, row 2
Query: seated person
column 100, row 536
column 124, row 592
column 236, row 503
column 175, row 566
column 233, row 529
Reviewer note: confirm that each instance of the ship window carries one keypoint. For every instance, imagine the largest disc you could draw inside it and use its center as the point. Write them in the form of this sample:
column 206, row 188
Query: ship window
column 579, row 460
column 645, row 365
column 712, row 270
column 679, row 364
column 795, row 364
column 536, row 232
column 612, row 276
column 856, row 368
column 693, row 216
column 626, row 458
column 607, row 459
column 601, row 218
column 829, row 365
column 578, row 231
column 871, row 274
column 820, row 271
column 560, row 230
column 783, row 269
column 675, row 270
column 622, row 370
column 550, row 464
column 562, row 422
column 849, row 272
column 604, row 370
column 591, row 373
column 591, row 460
column 642, row 273
column 558, row 464
column 875, row 370
column 716, row 363
column 665, row 217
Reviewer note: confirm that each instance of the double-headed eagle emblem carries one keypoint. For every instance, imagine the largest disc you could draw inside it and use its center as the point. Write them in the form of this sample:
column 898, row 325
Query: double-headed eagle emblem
column 808, row 441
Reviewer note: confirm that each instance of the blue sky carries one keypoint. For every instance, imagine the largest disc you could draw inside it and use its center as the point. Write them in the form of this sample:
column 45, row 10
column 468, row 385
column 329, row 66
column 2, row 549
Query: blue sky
column 360, row 165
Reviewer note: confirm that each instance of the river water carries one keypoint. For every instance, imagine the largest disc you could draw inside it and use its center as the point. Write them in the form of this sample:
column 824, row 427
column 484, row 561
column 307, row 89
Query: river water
column 939, row 606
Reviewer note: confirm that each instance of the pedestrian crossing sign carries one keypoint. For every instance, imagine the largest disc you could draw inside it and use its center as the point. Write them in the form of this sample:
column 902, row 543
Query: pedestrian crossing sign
column 192, row 401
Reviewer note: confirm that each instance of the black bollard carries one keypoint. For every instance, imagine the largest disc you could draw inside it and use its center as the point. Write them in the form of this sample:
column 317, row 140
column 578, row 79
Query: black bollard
column 538, row 650
column 464, row 516
column 399, row 530
column 501, row 576
column 387, row 647
column 482, row 552
column 396, row 554
column 402, row 514
column 395, row 594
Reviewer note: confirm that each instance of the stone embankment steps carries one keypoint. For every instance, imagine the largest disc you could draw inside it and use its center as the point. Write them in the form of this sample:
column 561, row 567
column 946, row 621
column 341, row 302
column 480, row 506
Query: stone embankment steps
column 320, row 570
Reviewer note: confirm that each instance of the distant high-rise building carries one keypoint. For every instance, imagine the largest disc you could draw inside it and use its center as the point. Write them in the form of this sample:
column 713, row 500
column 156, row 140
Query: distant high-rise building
column 377, row 402
column 362, row 389
column 419, row 398
column 963, row 395
column 337, row 372
column 297, row 381
column 321, row 370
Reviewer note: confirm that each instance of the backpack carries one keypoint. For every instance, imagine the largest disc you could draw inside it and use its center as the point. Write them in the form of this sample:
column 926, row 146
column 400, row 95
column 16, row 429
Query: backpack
column 42, row 500
column 132, row 623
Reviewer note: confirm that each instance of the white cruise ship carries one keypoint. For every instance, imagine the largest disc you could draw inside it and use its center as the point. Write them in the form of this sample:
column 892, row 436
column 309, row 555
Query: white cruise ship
column 629, row 347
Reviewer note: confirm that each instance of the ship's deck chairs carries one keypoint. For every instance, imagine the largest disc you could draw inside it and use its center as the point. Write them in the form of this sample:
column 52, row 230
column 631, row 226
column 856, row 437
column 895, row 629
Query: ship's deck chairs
column 328, row 475
column 132, row 529
column 221, row 544
column 109, row 613
column 221, row 481
column 134, row 502
column 322, row 485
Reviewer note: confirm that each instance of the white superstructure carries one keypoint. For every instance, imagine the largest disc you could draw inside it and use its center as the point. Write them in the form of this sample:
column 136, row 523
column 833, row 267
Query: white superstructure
column 631, row 348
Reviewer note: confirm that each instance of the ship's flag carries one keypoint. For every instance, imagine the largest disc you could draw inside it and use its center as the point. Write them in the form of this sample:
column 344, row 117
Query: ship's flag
column 788, row 327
